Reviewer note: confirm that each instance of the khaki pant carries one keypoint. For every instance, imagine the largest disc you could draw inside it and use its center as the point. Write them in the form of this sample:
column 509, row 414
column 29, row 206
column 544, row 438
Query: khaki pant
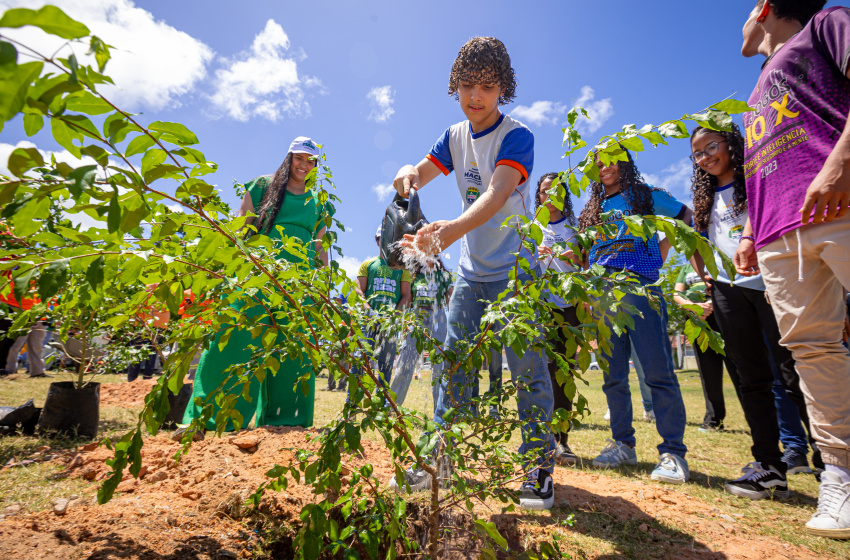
column 806, row 272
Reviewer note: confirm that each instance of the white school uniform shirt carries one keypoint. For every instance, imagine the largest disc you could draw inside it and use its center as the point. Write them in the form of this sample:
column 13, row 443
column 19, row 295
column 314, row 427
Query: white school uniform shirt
column 485, row 253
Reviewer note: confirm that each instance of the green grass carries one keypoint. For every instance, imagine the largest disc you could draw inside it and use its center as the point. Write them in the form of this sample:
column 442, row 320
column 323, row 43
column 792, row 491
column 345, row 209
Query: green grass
column 714, row 458
column 35, row 486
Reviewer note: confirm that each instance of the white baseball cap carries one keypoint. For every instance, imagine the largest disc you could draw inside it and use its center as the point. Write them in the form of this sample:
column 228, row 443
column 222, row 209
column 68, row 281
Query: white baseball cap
column 304, row 145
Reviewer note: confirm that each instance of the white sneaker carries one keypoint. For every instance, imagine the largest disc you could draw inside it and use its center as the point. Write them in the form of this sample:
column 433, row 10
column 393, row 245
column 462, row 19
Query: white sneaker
column 671, row 469
column 614, row 454
column 649, row 416
column 832, row 519
column 607, row 414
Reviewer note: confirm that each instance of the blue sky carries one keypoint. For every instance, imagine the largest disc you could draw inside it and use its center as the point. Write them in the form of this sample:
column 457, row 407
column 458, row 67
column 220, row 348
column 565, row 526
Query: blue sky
column 368, row 79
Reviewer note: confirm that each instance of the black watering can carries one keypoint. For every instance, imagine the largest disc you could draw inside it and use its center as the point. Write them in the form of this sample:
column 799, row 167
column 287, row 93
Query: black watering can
column 403, row 216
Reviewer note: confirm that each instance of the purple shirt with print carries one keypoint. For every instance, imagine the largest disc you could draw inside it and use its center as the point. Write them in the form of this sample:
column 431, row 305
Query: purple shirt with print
column 800, row 107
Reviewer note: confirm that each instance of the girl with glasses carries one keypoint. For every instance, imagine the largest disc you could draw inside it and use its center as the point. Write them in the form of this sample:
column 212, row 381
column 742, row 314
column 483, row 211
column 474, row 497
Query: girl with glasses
column 742, row 311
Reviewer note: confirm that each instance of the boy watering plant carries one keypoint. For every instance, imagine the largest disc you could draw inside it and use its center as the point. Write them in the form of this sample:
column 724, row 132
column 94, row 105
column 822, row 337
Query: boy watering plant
column 492, row 157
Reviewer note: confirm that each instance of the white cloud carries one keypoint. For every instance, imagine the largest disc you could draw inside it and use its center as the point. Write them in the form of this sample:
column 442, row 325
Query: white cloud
column 676, row 179
column 447, row 256
column 153, row 64
column 540, row 112
column 381, row 100
column 350, row 265
column 383, row 191
column 263, row 82
column 599, row 110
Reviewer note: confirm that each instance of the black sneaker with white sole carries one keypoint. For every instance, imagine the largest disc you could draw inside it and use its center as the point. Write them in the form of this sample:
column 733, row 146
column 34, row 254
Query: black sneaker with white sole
column 538, row 491
column 759, row 482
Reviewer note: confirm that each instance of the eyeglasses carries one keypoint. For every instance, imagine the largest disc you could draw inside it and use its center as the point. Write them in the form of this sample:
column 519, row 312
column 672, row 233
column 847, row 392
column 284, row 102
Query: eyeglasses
column 710, row 150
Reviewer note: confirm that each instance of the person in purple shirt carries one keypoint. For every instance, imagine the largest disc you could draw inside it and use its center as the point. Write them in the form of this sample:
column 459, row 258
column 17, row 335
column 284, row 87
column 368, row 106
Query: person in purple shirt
column 797, row 173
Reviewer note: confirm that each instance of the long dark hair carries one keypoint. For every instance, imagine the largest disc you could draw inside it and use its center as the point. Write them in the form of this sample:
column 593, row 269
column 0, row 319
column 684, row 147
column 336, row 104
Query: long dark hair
column 634, row 189
column 273, row 197
column 568, row 211
column 704, row 184
column 419, row 268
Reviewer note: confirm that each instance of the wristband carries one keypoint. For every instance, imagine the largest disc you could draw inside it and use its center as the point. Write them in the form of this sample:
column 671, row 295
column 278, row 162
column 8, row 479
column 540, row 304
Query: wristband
column 751, row 238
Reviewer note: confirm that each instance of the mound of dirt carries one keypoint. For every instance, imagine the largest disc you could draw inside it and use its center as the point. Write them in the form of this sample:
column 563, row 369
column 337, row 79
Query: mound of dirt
column 194, row 509
column 128, row 394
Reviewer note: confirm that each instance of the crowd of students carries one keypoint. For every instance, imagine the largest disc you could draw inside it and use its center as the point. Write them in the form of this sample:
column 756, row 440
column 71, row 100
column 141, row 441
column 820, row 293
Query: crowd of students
column 773, row 197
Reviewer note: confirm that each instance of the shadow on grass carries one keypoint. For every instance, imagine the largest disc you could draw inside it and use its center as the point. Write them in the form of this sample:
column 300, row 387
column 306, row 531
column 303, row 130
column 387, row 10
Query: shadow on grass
column 631, row 531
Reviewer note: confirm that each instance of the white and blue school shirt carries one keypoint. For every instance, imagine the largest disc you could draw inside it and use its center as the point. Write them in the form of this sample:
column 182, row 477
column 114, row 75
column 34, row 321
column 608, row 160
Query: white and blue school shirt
column 485, row 252
column 724, row 230
column 626, row 251
column 561, row 234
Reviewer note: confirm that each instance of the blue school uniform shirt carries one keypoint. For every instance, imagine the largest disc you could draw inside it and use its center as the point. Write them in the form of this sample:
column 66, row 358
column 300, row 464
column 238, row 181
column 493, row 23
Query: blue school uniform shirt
column 626, row 251
column 485, row 252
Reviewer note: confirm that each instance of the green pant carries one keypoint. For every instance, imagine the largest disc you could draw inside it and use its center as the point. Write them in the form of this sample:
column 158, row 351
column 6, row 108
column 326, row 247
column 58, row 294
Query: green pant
column 277, row 401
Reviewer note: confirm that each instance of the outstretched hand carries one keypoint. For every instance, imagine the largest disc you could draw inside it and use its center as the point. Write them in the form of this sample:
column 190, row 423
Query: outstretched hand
column 430, row 240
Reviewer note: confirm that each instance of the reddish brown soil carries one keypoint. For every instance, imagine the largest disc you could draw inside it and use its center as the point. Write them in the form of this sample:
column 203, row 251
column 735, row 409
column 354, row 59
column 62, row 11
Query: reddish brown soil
column 192, row 509
column 126, row 394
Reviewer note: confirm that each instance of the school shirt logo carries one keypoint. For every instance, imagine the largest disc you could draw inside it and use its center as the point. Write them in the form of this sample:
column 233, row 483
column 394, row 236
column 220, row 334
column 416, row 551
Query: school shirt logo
column 472, row 175
column 472, row 194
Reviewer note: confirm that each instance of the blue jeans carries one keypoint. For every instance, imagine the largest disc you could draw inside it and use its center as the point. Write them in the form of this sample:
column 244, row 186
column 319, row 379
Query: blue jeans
column 652, row 346
column 466, row 308
column 645, row 392
column 409, row 358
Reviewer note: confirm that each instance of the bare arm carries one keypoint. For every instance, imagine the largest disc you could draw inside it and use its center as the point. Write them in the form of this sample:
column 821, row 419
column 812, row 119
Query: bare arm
column 406, row 296
column 247, row 207
column 707, row 307
column 445, row 232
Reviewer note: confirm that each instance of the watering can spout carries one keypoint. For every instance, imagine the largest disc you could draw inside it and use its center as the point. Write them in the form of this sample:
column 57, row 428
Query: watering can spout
column 403, row 217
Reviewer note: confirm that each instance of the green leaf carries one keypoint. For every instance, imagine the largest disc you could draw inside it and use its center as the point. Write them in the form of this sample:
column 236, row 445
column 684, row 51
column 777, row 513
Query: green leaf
column 13, row 90
column 208, row 245
column 22, row 160
column 65, row 136
column 89, row 104
column 97, row 153
column 151, row 159
column 113, row 220
column 732, row 106
column 493, row 533
column 101, row 52
column 177, row 133
column 26, row 219
column 52, row 279
column 21, row 285
column 139, row 144
column 8, row 59
column 49, row 19
column 94, row 273
column 81, row 179
column 73, row 66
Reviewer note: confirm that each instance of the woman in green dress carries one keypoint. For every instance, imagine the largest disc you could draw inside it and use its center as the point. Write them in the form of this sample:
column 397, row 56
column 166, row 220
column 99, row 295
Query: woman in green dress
column 279, row 201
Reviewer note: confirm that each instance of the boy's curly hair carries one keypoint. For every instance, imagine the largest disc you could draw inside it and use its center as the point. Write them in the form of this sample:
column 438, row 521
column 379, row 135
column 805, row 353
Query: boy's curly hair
column 484, row 60
column 801, row 10
column 704, row 185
